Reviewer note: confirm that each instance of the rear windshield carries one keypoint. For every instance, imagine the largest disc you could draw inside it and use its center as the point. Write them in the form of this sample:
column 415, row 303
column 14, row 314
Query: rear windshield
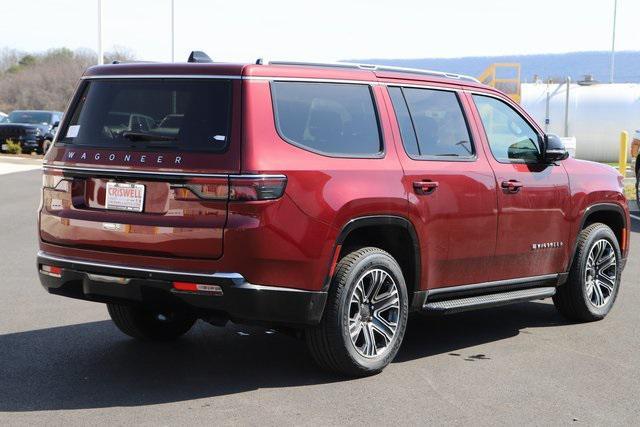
column 151, row 113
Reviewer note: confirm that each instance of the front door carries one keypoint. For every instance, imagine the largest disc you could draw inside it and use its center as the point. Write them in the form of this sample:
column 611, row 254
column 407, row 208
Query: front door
column 450, row 186
column 533, row 197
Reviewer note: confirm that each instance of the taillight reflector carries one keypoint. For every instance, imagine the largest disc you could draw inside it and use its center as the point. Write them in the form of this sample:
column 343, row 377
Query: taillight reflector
column 197, row 287
column 50, row 270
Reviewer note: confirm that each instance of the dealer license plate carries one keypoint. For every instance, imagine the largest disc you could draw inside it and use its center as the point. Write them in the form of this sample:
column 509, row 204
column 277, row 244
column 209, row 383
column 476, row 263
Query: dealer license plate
column 125, row 197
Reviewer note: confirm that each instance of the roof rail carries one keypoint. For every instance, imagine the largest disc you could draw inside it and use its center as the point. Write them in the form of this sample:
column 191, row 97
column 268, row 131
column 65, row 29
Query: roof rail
column 371, row 67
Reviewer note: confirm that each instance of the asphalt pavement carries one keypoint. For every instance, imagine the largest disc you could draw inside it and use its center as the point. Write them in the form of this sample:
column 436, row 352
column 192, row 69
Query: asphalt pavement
column 63, row 362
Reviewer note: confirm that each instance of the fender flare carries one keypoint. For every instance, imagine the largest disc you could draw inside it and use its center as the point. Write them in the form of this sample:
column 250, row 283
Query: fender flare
column 372, row 220
column 597, row 207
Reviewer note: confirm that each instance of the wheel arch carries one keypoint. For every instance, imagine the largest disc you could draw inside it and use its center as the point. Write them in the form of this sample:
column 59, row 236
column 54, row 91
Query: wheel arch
column 611, row 215
column 391, row 234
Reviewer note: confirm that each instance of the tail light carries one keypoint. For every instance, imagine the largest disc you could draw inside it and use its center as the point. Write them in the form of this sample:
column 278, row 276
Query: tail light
column 203, row 188
column 54, row 180
column 238, row 188
column 257, row 187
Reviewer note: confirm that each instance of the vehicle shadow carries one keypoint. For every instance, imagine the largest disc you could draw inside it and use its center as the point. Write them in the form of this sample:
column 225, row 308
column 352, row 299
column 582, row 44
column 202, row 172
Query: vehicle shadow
column 92, row 365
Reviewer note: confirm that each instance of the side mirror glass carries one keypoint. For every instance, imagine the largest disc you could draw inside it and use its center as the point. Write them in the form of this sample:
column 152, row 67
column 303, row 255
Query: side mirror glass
column 554, row 149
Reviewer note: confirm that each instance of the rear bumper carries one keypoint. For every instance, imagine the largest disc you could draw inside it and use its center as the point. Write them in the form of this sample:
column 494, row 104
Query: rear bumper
column 240, row 301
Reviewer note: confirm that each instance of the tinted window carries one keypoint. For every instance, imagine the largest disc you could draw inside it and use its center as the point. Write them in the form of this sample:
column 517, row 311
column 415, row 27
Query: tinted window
column 151, row 113
column 327, row 118
column 435, row 119
column 511, row 138
column 30, row 117
column 404, row 121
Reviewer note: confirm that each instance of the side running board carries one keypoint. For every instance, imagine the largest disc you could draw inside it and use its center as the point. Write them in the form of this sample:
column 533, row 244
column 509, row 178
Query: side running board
column 485, row 301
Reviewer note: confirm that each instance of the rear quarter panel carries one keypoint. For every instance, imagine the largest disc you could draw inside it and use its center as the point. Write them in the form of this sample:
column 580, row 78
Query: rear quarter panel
column 293, row 245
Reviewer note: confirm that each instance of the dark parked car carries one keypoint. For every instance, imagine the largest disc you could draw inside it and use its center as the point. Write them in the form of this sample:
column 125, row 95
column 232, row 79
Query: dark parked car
column 32, row 129
column 329, row 199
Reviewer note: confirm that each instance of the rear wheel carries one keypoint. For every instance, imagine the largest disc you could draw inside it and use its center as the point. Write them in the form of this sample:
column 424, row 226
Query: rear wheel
column 366, row 315
column 594, row 279
column 150, row 325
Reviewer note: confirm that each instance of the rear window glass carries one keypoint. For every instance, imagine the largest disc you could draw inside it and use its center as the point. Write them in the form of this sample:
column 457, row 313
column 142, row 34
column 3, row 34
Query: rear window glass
column 152, row 113
column 334, row 119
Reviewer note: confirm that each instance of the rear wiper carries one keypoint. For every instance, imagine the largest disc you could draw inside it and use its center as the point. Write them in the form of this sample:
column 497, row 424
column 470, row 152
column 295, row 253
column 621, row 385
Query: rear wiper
column 143, row 136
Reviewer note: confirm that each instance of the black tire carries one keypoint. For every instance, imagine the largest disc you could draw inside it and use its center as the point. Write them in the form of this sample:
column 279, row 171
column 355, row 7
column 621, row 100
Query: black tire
column 330, row 343
column 148, row 325
column 573, row 299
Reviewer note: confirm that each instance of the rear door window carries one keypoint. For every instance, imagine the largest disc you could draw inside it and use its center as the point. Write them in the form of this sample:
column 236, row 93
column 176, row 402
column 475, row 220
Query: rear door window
column 334, row 119
column 432, row 124
column 151, row 113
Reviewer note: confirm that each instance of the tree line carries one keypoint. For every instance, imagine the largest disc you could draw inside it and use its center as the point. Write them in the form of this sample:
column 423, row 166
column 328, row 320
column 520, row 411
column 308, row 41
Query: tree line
column 45, row 81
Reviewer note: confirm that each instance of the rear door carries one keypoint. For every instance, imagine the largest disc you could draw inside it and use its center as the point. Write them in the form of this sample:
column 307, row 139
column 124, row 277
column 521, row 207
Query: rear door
column 452, row 194
column 142, row 165
column 533, row 197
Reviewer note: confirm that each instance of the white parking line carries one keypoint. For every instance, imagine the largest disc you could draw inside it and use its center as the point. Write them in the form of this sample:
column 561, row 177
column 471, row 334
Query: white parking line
column 17, row 164
column 635, row 217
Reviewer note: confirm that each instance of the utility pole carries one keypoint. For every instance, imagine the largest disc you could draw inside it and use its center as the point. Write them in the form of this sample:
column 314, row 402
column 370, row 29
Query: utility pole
column 100, row 51
column 173, row 38
column 612, row 63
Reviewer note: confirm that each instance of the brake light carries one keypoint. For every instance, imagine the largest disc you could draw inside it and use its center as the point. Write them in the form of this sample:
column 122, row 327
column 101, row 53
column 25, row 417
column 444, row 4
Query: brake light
column 203, row 188
column 257, row 187
column 238, row 188
column 50, row 270
column 197, row 287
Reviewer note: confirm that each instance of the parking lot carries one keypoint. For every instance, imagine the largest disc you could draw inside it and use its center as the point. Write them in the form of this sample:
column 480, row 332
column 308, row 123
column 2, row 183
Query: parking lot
column 63, row 362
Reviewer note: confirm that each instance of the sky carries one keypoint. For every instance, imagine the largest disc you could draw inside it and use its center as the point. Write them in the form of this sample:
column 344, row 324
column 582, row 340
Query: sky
column 324, row 30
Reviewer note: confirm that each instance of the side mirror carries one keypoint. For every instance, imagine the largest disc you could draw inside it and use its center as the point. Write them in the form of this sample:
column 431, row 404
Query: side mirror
column 554, row 149
column 56, row 124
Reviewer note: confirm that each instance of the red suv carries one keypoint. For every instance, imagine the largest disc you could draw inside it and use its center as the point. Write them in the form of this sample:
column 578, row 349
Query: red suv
column 333, row 199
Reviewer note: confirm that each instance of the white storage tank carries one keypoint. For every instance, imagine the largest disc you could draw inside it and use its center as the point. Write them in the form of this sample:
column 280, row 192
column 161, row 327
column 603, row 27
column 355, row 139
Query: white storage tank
column 597, row 113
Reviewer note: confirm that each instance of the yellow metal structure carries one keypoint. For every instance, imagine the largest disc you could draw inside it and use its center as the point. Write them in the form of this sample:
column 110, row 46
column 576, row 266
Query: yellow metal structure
column 494, row 76
column 624, row 147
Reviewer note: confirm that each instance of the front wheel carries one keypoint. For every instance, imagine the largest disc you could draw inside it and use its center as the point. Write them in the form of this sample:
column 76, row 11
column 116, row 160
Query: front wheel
column 594, row 279
column 366, row 315
column 150, row 325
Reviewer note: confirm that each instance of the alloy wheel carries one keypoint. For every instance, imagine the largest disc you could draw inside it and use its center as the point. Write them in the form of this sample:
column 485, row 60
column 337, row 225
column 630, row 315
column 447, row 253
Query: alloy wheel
column 374, row 309
column 601, row 273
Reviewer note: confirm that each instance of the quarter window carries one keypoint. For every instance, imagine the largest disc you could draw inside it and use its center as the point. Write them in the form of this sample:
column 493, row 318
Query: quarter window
column 511, row 138
column 432, row 123
column 328, row 118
